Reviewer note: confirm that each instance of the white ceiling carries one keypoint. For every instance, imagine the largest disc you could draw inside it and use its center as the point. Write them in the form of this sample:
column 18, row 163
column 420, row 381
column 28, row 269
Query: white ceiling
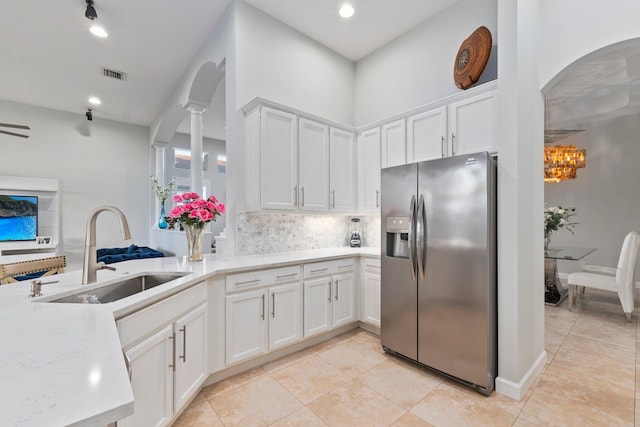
column 49, row 58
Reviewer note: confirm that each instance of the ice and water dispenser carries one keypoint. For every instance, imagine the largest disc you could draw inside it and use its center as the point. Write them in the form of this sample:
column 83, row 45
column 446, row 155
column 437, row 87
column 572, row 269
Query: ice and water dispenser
column 398, row 228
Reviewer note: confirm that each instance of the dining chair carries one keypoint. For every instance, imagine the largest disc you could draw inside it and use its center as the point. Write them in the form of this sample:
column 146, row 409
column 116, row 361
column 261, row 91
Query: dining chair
column 15, row 271
column 620, row 279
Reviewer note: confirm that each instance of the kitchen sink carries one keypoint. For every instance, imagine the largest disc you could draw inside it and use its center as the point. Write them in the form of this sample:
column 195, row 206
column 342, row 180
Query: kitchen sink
column 118, row 290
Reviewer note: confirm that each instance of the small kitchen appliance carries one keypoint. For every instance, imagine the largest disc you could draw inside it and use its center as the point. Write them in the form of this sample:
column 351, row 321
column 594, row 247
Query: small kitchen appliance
column 356, row 233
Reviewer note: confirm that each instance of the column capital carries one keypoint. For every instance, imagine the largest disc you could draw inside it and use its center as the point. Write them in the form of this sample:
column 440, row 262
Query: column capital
column 159, row 146
column 195, row 108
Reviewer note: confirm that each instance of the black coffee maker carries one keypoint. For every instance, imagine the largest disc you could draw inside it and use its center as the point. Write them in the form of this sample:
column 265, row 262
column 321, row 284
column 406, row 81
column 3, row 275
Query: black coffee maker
column 356, row 233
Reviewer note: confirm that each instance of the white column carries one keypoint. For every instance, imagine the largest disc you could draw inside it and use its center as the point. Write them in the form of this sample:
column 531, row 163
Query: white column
column 160, row 173
column 196, row 147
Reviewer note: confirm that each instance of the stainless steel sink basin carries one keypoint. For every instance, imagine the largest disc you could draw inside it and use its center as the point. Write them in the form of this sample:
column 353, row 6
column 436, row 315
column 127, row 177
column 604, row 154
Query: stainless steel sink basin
column 118, row 290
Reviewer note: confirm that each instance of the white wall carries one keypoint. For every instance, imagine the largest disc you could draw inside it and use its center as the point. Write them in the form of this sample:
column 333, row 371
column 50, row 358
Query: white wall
column 571, row 29
column 417, row 67
column 278, row 63
column 98, row 163
column 605, row 193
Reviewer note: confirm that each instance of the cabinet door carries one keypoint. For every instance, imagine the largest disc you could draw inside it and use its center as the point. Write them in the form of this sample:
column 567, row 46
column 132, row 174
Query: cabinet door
column 369, row 150
column 371, row 298
column 394, row 148
column 191, row 355
column 313, row 168
column 342, row 170
column 278, row 160
column 152, row 380
column 285, row 315
column 343, row 299
column 246, row 325
column 471, row 125
column 317, row 306
column 427, row 135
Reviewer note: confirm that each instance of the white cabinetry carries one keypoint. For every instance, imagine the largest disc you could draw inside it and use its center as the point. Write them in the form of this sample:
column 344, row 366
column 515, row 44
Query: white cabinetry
column 463, row 127
column 166, row 344
column 278, row 159
column 313, row 148
column 369, row 170
column 342, row 170
column 394, row 148
column 329, row 295
column 263, row 318
column 370, row 302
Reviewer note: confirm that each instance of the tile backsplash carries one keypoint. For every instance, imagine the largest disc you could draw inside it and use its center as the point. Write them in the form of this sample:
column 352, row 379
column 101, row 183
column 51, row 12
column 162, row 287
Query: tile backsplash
column 266, row 232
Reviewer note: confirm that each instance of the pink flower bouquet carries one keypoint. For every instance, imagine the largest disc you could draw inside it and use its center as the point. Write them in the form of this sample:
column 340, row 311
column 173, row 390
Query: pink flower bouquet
column 192, row 210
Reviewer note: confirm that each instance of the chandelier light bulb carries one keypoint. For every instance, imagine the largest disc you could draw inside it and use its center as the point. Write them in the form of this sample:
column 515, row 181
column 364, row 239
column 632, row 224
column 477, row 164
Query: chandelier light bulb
column 346, row 11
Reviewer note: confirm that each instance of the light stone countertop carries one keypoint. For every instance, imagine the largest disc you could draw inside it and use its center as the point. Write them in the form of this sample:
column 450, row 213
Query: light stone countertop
column 62, row 364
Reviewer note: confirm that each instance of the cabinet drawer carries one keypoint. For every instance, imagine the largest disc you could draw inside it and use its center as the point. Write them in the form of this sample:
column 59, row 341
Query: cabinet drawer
column 324, row 268
column 258, row 278
column 371, row 264
column 143, row 323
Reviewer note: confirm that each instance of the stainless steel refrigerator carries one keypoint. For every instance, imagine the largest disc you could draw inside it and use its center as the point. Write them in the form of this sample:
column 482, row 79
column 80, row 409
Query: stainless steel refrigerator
column 438, row 290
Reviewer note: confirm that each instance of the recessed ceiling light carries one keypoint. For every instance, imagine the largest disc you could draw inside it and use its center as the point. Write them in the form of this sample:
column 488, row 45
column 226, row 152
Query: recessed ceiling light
column 95, row 100
column 346, row 11
column 98, row 31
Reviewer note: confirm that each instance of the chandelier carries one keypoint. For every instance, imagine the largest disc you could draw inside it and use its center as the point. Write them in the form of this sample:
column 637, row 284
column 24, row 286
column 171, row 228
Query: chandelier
column 562, row 161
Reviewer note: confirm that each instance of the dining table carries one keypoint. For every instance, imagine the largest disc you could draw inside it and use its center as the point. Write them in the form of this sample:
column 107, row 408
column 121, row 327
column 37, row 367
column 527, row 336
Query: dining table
column 555, row 292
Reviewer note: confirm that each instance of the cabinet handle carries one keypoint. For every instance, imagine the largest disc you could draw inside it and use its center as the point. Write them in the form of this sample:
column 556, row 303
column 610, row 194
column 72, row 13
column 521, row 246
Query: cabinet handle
column 333, row 195
column 337, row 288
column 286, row 275
column 273, row 305
column 373, row 266
column 346, row 266
column 453, row 144
column 246, row 282
column 319, row 270
column 330, row 290
column 127, row 363
column 302, row 191
column 377, row 198
column 184, row 344
column 173, row 351
column 295, row 196
column 442, row 145
column 262, row 315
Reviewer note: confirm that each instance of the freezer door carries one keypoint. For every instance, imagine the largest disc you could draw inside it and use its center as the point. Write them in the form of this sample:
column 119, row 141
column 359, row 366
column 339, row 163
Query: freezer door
column 398, row 295
column 456, row 293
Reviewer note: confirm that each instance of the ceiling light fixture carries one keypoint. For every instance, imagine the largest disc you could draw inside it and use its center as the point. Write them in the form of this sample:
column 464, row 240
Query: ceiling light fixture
column 89, row 114
column 346, row 10
column 98, row 31
column 561, row 162
column 95, row 100
column 91, row 11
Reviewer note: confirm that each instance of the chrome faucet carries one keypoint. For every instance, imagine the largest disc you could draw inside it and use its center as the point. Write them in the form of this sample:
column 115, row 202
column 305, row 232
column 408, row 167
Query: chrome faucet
column 90, row 265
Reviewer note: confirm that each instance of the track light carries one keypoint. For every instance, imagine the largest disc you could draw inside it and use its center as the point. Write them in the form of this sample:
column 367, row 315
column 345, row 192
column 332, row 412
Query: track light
column 91, row 11
column 89, row 114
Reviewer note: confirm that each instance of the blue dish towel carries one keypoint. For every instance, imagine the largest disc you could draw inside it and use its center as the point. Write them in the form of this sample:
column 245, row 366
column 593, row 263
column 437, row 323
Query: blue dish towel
column 111, row 255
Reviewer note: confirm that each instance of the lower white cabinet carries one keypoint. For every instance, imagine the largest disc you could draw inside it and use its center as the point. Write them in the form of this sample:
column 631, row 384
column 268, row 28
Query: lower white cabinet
column 169, row 365
column 328, row 303
column 262, row 320
column 371, row 292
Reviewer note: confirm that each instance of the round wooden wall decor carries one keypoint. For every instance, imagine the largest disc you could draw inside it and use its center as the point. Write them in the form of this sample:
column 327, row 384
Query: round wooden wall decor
column 472, row 57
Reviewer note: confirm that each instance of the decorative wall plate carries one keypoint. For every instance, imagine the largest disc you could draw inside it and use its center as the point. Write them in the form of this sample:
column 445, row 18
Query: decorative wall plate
column 472, row 57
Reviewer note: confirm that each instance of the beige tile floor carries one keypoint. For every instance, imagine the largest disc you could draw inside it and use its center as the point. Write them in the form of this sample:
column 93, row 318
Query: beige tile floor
column 589, row 380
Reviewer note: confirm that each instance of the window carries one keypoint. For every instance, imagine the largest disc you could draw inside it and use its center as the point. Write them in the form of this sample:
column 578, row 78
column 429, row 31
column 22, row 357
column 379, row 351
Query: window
column 182, row 159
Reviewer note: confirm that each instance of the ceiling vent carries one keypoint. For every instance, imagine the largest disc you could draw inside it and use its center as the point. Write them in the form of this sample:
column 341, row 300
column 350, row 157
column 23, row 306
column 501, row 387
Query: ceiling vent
column 113, row 74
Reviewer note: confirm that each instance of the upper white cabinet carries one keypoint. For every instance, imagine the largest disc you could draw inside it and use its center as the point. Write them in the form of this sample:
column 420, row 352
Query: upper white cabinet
column 394, row 148
column 313, row 148
column 369, row 170
column 427, row 135
column 472, row 125
column 342, row 170
column 278, row 159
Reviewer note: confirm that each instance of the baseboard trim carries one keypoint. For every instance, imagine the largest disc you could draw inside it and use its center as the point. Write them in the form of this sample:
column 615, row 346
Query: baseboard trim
column 518, row 390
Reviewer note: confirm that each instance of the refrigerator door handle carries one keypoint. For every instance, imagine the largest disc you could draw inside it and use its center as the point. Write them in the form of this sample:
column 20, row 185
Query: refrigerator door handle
column 421, row 229
column 411, row 236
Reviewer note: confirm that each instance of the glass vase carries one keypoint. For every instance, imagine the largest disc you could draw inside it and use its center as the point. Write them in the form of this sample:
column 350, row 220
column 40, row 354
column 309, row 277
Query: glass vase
column 194, row 241
column 547, row 240
column 162, row 223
